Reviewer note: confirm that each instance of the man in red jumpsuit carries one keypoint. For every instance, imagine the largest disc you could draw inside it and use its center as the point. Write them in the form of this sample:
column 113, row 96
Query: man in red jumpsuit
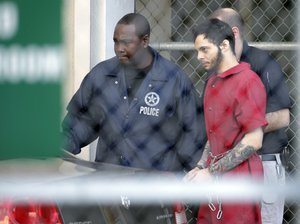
column 234, row 110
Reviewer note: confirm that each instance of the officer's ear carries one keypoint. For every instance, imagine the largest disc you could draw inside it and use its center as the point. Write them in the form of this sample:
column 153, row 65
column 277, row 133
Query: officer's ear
column 146, row 40
column 236, row 32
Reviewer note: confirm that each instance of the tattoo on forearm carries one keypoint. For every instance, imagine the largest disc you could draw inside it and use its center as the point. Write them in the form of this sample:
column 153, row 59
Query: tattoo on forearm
column 236, row 156
column 206, row 151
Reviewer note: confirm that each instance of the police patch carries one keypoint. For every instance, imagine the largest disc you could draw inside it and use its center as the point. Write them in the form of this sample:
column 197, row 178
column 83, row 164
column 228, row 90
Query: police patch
column 152, row 99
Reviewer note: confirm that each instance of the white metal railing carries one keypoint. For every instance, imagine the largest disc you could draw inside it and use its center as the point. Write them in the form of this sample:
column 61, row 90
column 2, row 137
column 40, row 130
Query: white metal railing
column 275, row 46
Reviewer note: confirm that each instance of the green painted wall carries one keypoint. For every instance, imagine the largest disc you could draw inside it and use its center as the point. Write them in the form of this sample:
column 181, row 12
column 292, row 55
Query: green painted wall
column 31, row 74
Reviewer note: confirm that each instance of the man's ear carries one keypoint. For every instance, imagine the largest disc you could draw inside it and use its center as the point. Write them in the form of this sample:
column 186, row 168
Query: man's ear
column 236, row 32
column 224, row 45
column 146, row 40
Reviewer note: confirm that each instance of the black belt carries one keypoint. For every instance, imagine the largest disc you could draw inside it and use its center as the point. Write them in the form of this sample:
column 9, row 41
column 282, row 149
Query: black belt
column 268, row 157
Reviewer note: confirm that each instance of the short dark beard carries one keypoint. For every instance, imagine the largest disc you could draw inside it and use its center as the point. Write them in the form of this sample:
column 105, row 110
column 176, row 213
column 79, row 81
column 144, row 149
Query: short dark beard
column 215, row 67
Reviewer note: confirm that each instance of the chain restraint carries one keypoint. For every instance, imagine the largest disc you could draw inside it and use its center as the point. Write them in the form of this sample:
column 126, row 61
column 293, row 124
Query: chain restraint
column 210, row 197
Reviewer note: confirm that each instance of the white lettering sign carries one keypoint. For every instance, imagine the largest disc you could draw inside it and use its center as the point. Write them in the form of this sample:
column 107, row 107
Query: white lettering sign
column 149, row 111
column 31, row 63
column 9, row 20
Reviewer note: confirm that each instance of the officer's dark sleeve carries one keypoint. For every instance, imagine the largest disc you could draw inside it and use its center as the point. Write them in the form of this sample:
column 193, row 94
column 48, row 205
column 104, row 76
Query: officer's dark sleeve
column 276, row 87
column 82, row 122
column 193, row 138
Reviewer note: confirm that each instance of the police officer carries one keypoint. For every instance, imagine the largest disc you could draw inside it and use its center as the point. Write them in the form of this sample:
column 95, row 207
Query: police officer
column 143, row 108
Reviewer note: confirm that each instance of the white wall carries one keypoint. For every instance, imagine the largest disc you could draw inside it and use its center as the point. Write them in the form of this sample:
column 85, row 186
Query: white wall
column 104, row 16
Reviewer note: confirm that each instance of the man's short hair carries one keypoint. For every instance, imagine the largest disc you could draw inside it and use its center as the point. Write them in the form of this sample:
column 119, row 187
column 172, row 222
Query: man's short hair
column 141, row 23
column 215, row 31
column 230, row 16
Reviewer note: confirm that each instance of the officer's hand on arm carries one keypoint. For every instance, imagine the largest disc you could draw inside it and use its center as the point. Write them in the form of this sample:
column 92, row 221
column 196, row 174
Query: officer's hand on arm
column 277, row 119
